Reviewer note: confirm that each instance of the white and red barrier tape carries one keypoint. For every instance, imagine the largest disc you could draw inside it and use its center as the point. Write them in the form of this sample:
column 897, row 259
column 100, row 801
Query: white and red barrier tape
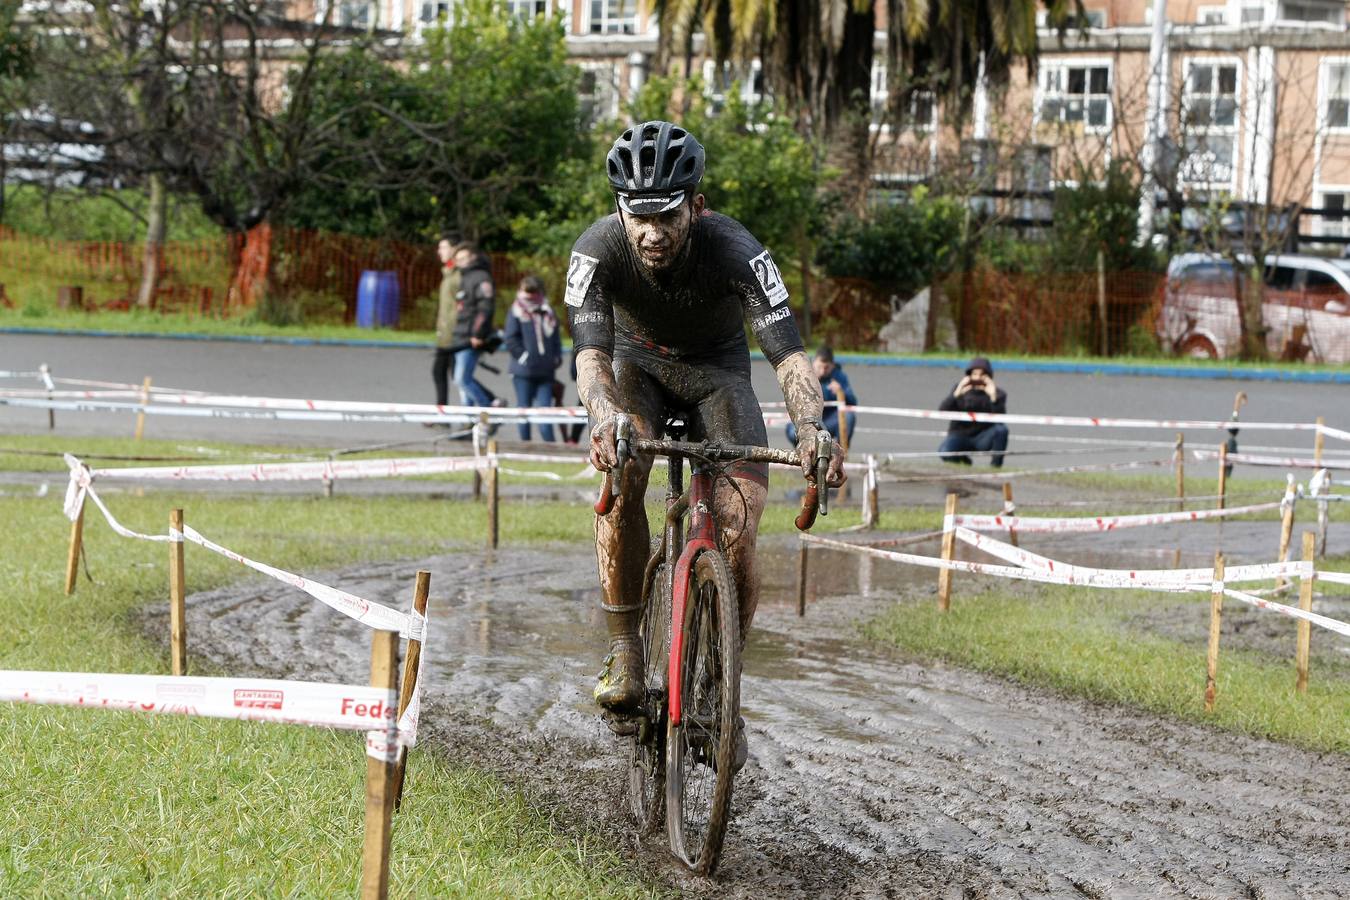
column 345, row 706
column 1293, row 612
column 1082, row 524
column 1023, row 473
column 1282, row 462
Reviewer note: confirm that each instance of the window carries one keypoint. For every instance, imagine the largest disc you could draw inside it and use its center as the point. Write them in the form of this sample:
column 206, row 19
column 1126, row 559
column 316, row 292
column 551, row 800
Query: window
column 527, row 9
column 880, row 91
column 1253, row 14
column 1091, row 18
column 718, row 82
column 1312, row 12
column 433, row 12
column 1209, row 118
column 1336, row 94
column 613, row 16
column 1211, row 15
column 1333, row 225
column 599, row 92
column 1211, row 95
column 1076, row 94
column 922, row 110
column 345, row 13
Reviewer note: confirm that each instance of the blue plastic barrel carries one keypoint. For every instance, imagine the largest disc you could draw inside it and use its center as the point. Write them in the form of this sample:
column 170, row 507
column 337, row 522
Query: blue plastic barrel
column 377, row 299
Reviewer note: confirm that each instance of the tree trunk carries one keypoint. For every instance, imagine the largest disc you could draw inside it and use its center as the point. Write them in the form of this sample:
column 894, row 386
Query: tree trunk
column 152, row 259
column 849, row 152
column 1252, row 324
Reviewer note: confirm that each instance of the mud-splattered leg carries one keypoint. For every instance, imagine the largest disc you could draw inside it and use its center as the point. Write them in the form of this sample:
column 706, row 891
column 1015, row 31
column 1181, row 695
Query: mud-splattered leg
column 740, row 503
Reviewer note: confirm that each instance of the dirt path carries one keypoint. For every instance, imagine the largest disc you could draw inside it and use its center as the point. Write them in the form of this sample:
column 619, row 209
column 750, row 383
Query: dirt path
column 868, row 776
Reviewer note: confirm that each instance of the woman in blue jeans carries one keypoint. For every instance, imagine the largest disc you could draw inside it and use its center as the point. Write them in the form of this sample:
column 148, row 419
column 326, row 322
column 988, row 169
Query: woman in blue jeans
column 535, row 344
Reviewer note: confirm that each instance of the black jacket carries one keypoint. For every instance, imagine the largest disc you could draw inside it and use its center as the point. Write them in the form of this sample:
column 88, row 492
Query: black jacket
column 975, row 400
column 475, row 303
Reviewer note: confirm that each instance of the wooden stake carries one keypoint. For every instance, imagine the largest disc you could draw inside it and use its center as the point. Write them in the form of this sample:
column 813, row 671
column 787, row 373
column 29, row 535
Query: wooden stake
column 492, row 480
column 1215, row 622
column 948, row 553
column 379, row 780
column 1318, row 441
column 843, row 420
column 871, row 500
column 801, row 578
column 1009, row 509
column 1286, row 534
column 1223, row 473
column 479, row 435
column 145, row 400
column 46, row 373
column 1181, row 471
column 1305, row 594
column 421, row 590
column 76, row 545
column 177, row 597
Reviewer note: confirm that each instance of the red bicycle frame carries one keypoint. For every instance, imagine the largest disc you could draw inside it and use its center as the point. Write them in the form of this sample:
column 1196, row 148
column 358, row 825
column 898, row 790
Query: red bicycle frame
column 702, row 536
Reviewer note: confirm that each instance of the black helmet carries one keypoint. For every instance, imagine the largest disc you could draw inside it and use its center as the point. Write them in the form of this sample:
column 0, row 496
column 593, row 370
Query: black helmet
column 652, row 166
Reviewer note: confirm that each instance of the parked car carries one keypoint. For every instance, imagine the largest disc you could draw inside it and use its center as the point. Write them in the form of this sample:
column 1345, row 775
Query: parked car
column 1306, row 307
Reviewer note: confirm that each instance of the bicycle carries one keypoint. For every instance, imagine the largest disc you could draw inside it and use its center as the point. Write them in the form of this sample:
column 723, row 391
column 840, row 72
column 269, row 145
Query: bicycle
column 684, row 736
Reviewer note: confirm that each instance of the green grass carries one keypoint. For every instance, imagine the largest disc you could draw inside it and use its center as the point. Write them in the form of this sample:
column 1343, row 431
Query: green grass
column 34, row 315
column 1090, row 644
column 116, row 803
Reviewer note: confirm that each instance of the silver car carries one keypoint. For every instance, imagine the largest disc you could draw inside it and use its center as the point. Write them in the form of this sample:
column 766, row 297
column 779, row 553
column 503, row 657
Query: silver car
column 1306, row 307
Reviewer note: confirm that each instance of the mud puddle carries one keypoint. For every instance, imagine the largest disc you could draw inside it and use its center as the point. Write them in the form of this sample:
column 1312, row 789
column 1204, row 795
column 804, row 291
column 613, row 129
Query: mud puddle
column 869, row 776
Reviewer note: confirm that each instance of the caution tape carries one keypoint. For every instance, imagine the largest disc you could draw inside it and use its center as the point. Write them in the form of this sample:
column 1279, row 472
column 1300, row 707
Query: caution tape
column 1333, row 577
column 1024, row 473
column 344, row 706
column 1078, row 525
column 1282, row 462
column 326, row 470
column 1293, row 612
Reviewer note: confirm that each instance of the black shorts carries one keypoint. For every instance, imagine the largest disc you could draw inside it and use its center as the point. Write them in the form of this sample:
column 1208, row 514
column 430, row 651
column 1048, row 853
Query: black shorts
column 718, row 404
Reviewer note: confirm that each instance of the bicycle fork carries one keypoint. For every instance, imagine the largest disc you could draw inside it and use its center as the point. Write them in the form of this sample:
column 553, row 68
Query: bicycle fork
column 702, row 536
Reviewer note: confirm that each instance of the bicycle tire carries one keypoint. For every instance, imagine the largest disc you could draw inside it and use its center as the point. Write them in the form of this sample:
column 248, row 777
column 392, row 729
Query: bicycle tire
column 700, row 751
column 646, row 759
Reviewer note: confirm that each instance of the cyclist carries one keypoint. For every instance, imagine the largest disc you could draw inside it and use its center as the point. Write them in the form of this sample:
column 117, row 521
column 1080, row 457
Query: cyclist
column 657, row 296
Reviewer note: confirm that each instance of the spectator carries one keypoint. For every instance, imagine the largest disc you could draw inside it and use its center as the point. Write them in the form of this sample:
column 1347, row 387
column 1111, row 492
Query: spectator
column 535, row 344
column 976, row 393
column 833, row 382
column 475, row 304
column 445, row 321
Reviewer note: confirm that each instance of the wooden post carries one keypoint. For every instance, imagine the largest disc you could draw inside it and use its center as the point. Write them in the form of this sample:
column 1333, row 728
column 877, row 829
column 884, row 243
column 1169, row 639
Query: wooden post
column 145, row 400
column 479, row 435
column 76, row 546
column 1286, row 527
column 1181, row 471
column 871, row 498
column 948, row 553
column 801, row 578
column 843, row 420
column 46, row 372
column 1305, row 594
column 177, row 597
column 492, row 479
column 421, row 591
column 379, row 780
column 1101, row 303
column 1318, row 441
column 1009, row 509
column 1215, row 622
column 1223, row 473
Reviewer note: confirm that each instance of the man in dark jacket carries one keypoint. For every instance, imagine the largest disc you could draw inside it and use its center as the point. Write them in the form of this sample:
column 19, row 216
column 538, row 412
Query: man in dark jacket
column 445, row 321
column 475, row 304
column 833, row 382
column 976, row 393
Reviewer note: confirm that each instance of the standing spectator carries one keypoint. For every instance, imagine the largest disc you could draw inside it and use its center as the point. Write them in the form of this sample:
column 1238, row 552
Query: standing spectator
column 976, row 393
column 833, row 382
column 535, row 345
column 475, row 304
column 445, row 322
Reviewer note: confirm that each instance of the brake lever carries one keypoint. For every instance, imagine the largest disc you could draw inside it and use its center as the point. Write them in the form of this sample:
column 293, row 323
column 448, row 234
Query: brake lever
column 613, row 484
column 824, row 452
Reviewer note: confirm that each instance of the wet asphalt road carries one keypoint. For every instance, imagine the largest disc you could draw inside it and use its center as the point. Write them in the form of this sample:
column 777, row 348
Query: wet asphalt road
column 356, row 373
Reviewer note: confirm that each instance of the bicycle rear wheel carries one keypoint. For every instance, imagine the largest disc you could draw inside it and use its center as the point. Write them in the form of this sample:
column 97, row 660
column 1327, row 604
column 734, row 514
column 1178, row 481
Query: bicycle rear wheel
column 646, row 761
column 700, row 750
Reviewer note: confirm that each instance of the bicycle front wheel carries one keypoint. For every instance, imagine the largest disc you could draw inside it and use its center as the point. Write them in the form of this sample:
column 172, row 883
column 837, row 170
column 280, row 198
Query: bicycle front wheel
column 700, row 750
column 646, row 761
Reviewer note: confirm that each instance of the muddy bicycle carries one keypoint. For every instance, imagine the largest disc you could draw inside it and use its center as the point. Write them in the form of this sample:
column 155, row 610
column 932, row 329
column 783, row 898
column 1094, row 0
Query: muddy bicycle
column 683, row 739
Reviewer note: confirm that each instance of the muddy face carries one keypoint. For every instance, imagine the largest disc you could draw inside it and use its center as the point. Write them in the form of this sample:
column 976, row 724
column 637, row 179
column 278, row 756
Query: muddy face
column 657, row 240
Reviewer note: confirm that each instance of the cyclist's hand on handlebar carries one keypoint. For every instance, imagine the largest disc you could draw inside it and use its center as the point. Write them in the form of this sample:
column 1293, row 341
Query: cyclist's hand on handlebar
column 806, row 452
column 604, row 443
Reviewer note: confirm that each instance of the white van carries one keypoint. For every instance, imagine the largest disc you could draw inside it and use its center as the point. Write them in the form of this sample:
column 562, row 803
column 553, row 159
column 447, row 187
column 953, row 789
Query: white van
column 1306, row 309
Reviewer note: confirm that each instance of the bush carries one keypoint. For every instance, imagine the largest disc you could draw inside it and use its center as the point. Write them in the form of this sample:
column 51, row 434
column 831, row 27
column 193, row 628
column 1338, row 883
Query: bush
column 900, row 248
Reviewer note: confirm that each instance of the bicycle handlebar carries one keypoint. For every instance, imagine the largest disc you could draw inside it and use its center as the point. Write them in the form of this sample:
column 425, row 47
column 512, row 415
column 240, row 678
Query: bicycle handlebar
column 813, row 500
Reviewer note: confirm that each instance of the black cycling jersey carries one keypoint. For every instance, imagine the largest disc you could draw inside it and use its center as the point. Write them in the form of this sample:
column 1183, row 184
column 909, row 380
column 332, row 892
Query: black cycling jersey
column 692, row 312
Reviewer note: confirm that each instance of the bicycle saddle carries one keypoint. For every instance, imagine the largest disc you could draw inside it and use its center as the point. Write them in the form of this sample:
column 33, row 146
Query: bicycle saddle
column 676, row 426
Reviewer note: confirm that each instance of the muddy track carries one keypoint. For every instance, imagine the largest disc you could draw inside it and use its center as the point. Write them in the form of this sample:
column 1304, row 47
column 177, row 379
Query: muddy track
column 869, row 776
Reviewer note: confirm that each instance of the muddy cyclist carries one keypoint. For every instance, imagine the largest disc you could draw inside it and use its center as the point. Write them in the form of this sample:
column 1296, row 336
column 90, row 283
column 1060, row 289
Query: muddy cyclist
column 657, row 296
